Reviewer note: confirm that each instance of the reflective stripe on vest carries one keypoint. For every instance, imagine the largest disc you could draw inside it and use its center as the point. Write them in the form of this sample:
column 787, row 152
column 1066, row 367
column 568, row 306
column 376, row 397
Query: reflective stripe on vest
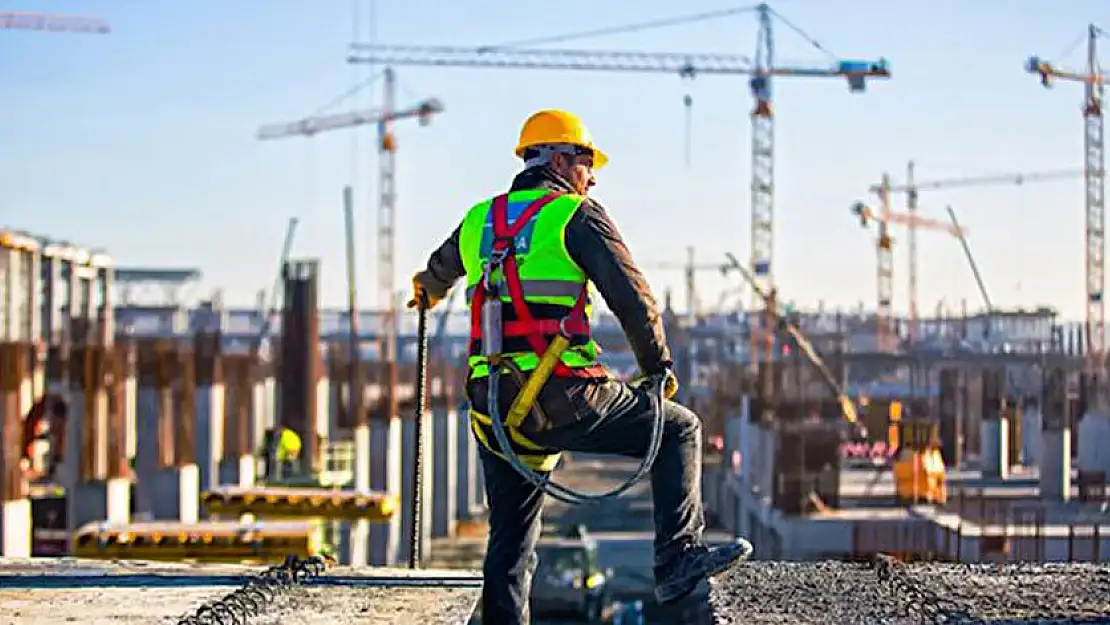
column 532, row 455
column 550, row 279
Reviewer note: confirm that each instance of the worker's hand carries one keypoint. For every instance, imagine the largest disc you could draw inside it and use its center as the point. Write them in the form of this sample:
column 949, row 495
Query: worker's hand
column 645, row 382
column 420, row 295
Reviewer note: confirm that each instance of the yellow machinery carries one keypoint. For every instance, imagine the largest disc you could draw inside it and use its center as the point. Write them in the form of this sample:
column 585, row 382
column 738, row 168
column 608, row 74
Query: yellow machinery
column 919, row 474
column 206, row 541
column 300, row 503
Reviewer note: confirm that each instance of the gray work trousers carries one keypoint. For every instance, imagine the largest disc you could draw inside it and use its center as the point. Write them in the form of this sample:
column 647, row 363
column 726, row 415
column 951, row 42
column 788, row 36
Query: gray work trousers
column 595, row 416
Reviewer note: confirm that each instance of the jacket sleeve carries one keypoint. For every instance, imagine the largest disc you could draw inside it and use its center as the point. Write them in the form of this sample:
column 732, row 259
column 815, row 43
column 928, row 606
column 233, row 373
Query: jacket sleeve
column 444, row 267
column 594, row 242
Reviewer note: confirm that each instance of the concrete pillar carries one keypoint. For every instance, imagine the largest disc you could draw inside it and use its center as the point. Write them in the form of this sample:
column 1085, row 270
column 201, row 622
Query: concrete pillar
column 469, row 498
column 15, row 507
column 994, row 429
column 323, row 410
column 995, row 439
column 265, row 410
column 385, row 476
column 408, row 455
column 1055, row 451
column 1031, row 424
column 150, row 441
column 120, row 368
column 91, row 493
column 444, row 459
column 748, row 444
column 209, row 404
column 178, row 484
column 359, row 535
column 238, row 464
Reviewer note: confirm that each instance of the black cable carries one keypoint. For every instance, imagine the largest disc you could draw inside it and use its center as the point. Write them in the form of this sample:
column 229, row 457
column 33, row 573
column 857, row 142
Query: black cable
column 258, row 593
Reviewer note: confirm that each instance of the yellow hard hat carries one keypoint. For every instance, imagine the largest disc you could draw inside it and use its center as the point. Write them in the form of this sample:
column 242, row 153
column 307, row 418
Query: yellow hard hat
column 555, row 126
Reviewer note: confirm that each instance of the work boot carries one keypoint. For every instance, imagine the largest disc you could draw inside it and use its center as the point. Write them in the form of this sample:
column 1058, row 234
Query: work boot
column 680, row 578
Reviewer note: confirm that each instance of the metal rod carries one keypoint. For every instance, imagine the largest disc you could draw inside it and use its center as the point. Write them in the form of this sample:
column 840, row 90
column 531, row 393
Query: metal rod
column 416, row 543
column 354, row 365
column 971, row 261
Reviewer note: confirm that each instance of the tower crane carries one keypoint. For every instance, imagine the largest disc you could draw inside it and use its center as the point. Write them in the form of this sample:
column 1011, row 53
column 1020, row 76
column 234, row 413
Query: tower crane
column 387, row 147
column 1094, row 171
column 760, row 70
column 885, row 191
column 17, row 20
column 884, row 266
column 689, row 268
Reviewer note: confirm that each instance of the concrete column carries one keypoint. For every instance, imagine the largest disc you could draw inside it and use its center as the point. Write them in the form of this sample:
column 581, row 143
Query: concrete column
column 15, row 507
column 323, row 411
column 148, row 428
column 385, row 476
column 469, row 498
column 444, row 461
column 265, row 412
column 238, row 464
column 1055, row 451
column 209, row 404
column 408, row 455
column 91, row 493
column 120, row 368
column 995, row 439
column 1031, row 424
column 748, row 444
column 994, row 429
column 359, row 540
column 178, row 485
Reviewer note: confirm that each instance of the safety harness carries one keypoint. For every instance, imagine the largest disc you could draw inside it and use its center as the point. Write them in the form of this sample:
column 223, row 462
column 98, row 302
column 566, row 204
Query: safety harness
column 487, row 324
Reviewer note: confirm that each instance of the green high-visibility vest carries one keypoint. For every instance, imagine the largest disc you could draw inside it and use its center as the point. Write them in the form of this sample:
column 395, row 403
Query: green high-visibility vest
column 550, row 280
column 548, row 274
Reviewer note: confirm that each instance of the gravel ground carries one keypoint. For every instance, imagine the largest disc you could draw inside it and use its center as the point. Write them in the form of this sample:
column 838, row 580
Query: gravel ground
column 862, row 594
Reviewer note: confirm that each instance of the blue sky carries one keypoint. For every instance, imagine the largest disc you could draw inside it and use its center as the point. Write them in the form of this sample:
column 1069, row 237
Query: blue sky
column 142, row 141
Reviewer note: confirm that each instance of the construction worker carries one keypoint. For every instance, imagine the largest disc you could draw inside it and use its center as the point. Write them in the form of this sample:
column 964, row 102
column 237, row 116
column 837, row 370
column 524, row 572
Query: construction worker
column 553, row 254
column 281, row 450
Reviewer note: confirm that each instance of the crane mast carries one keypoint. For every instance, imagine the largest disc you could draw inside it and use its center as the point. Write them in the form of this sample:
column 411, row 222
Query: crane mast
column 387, row 220
column 1094, row 173
column 1095, row 235
column 762, row 188
column 911, row 250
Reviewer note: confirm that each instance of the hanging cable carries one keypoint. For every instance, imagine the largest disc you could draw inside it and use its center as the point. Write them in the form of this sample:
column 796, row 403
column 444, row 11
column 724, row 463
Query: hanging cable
column 625, row 29
column 803, row 34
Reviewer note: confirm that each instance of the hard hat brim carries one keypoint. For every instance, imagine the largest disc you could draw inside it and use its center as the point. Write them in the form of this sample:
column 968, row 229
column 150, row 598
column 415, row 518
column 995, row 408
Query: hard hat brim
column 600, row 158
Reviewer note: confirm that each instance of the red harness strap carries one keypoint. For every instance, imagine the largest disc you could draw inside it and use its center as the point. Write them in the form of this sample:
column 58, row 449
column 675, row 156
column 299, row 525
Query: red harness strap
column 526, row 325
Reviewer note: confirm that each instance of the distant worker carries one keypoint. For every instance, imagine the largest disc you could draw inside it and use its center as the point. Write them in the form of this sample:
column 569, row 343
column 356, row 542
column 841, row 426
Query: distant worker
column 45, row 424
column 281, row 449
column 554, row 241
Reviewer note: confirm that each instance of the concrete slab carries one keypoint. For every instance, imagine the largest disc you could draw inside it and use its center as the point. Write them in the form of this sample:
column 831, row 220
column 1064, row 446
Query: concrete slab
column 844, row 593
column 56, row 591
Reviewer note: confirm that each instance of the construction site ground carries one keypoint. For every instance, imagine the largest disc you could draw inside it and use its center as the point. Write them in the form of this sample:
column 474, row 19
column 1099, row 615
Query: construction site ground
column 57, row 591
column 63, row 591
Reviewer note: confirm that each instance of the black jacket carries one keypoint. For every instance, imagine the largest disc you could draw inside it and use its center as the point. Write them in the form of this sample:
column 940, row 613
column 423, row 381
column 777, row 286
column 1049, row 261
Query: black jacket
column 596, row 245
